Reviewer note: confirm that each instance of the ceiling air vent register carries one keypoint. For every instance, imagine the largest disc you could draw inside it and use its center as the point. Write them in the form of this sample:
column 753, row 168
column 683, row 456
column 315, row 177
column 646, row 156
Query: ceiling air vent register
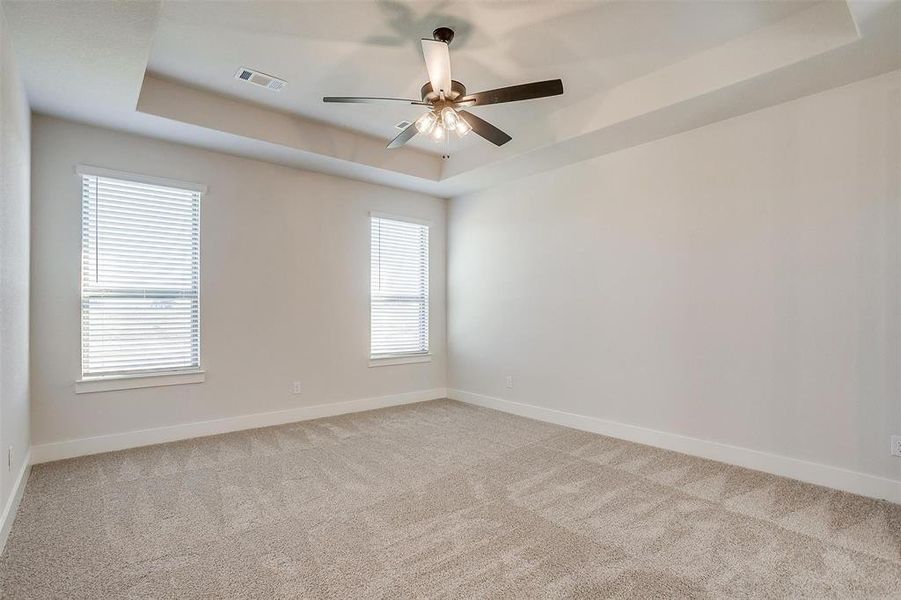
column 260, row 79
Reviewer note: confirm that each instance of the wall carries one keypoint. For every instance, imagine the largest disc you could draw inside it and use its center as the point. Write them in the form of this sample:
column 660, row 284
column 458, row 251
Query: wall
column 15, row 160
column 284, row 287
column 737, row 283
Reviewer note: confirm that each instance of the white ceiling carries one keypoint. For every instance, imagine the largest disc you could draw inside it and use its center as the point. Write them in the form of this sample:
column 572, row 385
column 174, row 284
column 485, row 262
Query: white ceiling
column 372, row 49
column 633, row 71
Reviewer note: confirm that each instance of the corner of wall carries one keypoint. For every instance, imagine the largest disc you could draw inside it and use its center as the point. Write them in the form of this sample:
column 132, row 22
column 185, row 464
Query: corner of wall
column 15, row 249
column 8, row 516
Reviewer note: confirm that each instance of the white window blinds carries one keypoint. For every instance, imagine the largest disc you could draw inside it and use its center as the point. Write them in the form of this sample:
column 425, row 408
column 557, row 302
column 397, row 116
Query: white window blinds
column 140, row 277
column 399, row 289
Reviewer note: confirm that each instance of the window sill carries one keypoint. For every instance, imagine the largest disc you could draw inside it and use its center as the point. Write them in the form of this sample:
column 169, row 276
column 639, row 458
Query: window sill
column 131, row 382
column 385, row 361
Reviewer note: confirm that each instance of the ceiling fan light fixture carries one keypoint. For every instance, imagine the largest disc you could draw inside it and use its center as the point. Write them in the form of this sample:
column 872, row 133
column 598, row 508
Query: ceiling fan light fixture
column 462, row 127
column 438, row 132
column 449, row 117
column 426, row 123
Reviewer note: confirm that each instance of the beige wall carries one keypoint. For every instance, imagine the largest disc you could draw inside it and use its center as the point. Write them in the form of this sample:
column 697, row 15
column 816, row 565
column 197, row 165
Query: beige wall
column 284, row 287
column 738, row 283
column 15, row 130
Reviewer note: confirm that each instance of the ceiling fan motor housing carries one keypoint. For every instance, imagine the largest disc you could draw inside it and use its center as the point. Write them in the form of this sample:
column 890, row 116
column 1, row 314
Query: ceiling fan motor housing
column 458, row 90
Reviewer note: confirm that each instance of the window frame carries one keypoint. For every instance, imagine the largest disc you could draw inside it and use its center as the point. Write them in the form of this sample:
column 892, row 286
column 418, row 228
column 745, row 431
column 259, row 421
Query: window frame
column 122, row 381
column 407, row 357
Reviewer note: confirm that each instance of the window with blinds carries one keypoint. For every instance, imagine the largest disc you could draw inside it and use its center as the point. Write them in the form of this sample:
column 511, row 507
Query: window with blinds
column 399, row 288
column 140, row 277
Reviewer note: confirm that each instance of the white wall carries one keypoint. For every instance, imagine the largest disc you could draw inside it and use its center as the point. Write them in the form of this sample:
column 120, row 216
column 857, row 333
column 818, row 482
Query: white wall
column 284, row 287
column 15, row 158
column 737, row 283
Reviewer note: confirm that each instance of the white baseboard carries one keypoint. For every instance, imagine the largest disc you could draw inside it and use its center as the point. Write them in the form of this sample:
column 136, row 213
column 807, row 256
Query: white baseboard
column 12, row 503
column 159, row 435
column 833, row 477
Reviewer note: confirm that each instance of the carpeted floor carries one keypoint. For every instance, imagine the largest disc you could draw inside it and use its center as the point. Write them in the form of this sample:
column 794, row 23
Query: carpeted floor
column 438, row 499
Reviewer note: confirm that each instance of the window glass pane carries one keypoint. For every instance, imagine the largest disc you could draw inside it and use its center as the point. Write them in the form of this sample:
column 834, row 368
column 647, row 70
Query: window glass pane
column 399, row 288
column 140, row 289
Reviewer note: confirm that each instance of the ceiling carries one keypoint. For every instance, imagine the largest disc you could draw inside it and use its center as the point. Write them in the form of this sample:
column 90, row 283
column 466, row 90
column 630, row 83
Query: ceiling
column 372, row 49
column 632, row 70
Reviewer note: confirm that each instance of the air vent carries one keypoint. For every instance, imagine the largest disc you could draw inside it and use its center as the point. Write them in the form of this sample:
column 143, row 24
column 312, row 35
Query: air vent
column 261, row 79
column 403, row 124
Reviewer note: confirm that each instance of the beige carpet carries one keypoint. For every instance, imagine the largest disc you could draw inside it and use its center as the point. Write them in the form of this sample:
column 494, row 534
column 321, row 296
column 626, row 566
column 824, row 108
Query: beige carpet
column 437, row 500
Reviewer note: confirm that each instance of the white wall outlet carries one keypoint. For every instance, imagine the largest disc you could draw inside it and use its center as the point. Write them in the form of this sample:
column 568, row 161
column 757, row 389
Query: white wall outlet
column 508, row 382
column 896, row 445
column 295, row 387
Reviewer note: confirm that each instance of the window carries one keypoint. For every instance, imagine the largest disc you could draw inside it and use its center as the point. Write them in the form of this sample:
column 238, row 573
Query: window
column 140, row 276
column 399, row 288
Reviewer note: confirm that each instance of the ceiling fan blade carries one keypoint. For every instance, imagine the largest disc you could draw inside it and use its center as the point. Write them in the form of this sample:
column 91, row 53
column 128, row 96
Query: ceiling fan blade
column 404, row 136
column 514, row 93
column 437, row 62
column 365, row 100
column 485, row 129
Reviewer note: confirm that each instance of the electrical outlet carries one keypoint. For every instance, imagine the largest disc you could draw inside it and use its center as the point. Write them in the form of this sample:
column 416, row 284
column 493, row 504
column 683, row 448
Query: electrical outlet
column 295, row 387
column 508, row 382
column 896, row 445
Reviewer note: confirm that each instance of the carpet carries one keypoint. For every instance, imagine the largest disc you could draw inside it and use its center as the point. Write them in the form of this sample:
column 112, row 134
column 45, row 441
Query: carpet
column 437, row 500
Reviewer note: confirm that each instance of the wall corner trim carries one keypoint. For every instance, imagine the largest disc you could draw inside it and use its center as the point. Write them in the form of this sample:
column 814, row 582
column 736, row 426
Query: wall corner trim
column 815, row 473
column 159, row 435
column 8, row 516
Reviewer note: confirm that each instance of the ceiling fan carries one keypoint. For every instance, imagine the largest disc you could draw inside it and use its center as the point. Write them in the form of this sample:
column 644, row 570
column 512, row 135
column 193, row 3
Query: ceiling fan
column 447, row 98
